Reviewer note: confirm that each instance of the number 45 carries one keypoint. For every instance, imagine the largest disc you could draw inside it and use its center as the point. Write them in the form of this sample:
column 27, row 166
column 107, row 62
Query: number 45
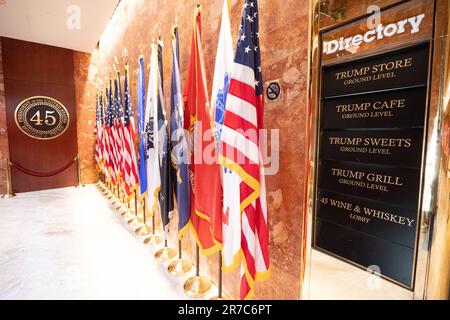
column 49, row 120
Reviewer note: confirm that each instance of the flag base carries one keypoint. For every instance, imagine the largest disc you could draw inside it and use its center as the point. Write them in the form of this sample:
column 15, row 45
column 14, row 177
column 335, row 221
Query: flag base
column 197, row 287
column 153, row 241
column 117, row 204
column 127, row 215
column 216, row 299
column 135, row 221
column 108, row 194
column 179, row 268
column 8, row 196
column 165, row 254
column 143, row 231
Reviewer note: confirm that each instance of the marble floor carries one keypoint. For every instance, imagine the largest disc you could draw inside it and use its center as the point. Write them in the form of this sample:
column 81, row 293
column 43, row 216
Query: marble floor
column 71, row 244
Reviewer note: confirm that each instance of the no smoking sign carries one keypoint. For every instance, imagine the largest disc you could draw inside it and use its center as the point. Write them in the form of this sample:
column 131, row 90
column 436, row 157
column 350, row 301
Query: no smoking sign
column 273, row 91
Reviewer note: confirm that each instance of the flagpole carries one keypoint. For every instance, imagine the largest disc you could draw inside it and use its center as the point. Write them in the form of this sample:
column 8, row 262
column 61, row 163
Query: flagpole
column 165, row 254
column 180, row 267
column 154, row 240
column 110, row 194
column 135, row 220
column 144, row 230
column 197, row 286
column 219, row 280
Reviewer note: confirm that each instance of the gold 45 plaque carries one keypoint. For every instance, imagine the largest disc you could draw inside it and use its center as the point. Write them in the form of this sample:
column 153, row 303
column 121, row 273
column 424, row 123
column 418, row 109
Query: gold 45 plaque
column 42, row 118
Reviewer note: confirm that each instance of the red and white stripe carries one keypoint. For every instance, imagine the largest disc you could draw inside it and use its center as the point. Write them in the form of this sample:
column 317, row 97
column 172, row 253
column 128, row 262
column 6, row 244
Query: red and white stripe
column 129, row 159
column 241, row 146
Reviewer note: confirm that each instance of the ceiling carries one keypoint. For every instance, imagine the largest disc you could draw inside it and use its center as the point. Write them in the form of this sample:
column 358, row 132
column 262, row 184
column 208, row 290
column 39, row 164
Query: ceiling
column 56, row 22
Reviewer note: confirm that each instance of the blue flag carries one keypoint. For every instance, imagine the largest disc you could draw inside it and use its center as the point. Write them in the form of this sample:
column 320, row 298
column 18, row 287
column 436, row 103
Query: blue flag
column 180, row 154
column 141, row 128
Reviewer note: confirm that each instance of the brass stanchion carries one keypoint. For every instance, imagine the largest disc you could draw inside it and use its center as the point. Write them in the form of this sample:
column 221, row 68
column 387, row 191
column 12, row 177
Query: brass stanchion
column 9, row 187
column 165, row 254
column 154, row 239
column 219, row 281
column 180, row 267
column 144, row 230
column 80, row 184
column 197, row 286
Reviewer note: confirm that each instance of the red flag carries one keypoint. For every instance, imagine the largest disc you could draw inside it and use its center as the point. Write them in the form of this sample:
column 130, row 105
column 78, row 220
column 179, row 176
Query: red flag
column 206, row 192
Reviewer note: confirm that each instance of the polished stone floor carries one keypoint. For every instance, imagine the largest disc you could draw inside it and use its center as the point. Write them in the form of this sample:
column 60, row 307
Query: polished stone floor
column 71, row 244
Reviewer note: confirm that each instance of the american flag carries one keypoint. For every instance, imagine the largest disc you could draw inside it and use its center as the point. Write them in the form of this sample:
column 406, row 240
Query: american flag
column 113, row 135
column 118, row 126
column 129, row 160
column 97, row 133
column 244, row 113
column 105, row 137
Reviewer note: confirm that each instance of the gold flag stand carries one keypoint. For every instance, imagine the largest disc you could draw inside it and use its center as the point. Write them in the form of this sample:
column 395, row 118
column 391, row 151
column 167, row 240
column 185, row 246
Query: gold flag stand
column 109, row 192
column 135, row 220
column 144, row 230
column 165, row 254
column 116, row 197
column 179, row 267
column 197, row 286
column 154, row 239
column 9, row 188
column 219, row 282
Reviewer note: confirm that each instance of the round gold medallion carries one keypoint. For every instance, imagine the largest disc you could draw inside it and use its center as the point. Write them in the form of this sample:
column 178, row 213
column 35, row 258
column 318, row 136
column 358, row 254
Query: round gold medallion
column 42, row 118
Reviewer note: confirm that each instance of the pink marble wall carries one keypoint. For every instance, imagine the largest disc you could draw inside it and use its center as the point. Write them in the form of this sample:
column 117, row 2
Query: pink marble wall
column 284, row 39
column 85, row 71
column 4, row 149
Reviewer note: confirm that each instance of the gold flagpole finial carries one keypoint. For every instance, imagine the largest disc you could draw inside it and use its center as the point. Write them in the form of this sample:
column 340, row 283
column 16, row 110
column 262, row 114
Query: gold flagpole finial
column 116, row 64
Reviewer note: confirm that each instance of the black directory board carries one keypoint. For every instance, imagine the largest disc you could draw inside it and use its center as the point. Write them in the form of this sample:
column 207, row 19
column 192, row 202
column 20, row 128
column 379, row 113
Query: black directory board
column 370, row 160
column 393, row 70
column 388, row 109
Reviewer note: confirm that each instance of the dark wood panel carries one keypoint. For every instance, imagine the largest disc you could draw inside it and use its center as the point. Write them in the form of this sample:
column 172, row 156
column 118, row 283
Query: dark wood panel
column 50, row 74
column 39, row 63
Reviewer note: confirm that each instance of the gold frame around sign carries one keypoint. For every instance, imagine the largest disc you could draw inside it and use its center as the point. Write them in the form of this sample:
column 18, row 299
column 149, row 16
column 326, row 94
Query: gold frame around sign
column 424, row 145
column 423, row 249
column 40, row 97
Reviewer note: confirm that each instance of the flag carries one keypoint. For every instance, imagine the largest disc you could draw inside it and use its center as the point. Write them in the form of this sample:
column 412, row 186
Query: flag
column 119, row 126
column 105, row 138
column 165, row 193
column 151, row 134
column 141, row 128
column 244, row 116
column 111, row 132
column 129, row 161
column 97, row 133
column 231, row 222
column 179, row 149
column 101, row 131
column 206, row 200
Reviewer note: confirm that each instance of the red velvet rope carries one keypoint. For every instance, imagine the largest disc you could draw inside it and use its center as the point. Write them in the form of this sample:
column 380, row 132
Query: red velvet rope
column 43, row 175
